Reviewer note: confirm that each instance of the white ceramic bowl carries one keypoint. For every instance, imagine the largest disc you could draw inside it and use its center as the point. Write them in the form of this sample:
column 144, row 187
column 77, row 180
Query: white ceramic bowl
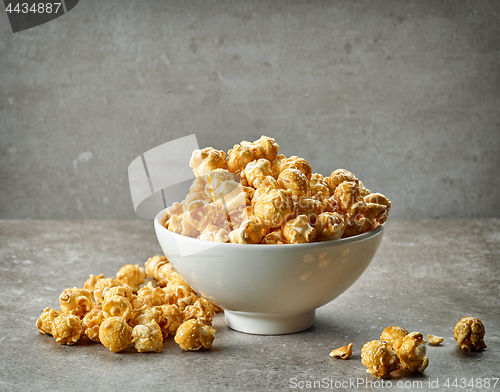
column 268, row 289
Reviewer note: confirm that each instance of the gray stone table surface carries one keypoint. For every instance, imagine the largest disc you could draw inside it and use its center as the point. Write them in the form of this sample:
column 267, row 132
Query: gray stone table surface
column 426, row 275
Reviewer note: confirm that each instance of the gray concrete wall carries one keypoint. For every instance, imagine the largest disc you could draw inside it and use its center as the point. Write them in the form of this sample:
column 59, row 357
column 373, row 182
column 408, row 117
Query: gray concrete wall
column 404, row 94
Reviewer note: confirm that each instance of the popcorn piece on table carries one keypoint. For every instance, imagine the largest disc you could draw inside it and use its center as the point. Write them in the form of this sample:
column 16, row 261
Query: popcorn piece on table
column 115, row 334
column 181, row 295
column 434, row 340
column 76, row 301
column 44, row 322
column 207, row 159
column 154, row 296
column 469, row 334
column 117, row 307
column 66, row 328
column 120, row 291
column 412, row 352
column 131, row 275
column 92, row 322
column 194, row 334
column 299, row 231
column 145, row 315
column 201, row 310
column 379, row 358
column 153, row 263
column 329, row 226
column 171, row 318
column 163, row 274
column 344, row 352
column 394, row 335
column 101, row 286
column 91, row 281
column 147, row 337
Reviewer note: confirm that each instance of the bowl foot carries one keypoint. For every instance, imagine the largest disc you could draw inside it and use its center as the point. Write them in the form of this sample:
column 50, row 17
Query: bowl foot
column 269, row 323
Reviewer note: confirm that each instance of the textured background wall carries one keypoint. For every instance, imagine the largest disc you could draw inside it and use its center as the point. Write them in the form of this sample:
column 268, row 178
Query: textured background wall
column 404, row 94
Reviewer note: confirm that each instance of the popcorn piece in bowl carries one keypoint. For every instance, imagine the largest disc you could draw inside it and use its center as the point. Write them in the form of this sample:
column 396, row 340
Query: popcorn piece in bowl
column 469, row 334
column 44, row 322
column 411, row 352
column 256, row 171
column 295, row 181
column 299, row 231
column 274, row 237
column 273, row 208
column 214, row 233
column 205, row 160
column 194, row 334
column 379, row 358
column 295, row 162
column 344, row 352
column 249, row 232
column 329, row 226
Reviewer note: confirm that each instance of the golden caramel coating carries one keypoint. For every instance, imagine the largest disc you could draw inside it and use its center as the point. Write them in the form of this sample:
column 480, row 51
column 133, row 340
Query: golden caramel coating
column 90, row 283
column 344, row 352
column 194, row 200
column 92, row 322
column 311, row 207
column 154, row 296
column 44, row 322
column 434, row 340
column 175, row 209
column 347, row 195
column 193, row 335
column 145, row 315
column 295, row 162
column 238, row 157
column 319, row 186
column 249, row 232
column 274, row 237
column 182, row 296
column 164, row 274
column 115, row 334
column 177, row 224
column 469, row 334
column 117, row 307
column 394, row 335
column 256, row 171
column 379, row 358
column 377, row 208
column 206, row 215
column 153, row 263
column 295, row 181
column 76, row 301
column 202, row 310
column 131, row 275
column 299, row 231
column 267, row 184
column 329, row 226
column 171, row 318
column 412, row 351
column 66, row 328
column 214, row 233
column 120, row 291
column 273, row 208
column 339, row 176
column 245, row 152
column 147, row 337
column 266, row 147
column 139, row 302
column 204, row 161
column 101, row 286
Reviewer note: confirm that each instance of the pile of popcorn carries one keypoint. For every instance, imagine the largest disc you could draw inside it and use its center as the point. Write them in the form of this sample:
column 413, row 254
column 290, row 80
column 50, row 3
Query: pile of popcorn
column 397, row 348
column 256, row 196
column 119, row 312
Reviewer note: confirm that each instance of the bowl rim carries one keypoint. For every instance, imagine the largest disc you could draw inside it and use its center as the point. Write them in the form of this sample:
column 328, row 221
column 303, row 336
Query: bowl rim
column 343, row 241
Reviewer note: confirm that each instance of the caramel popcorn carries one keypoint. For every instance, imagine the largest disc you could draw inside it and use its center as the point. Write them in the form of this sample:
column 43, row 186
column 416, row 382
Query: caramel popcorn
column 294, row 181
column 117, row 306
column 153, row 263
column 299, row 231
column 75, row 301
column 344, row 352
column 394, row 335
column 44, row 322
column 245, row 152
column 319, row 186
column 154, row 296
column 411, row 352
column 256, row 171
column 121, row 291
column 273, row 207
column 115, row 334
column 469, row 334
column 179, row 225
column 193, row 335
column 204, row 161
column 249, row 232
column 163, row 274
column 214, row 233
column 101, row 286
column 90, row 283
column 170, row 320
column 145, row 315
column 296, row 163
column 379, row 358
column 329, row 226
column 131, row 275
column 274, row 237
column 66, row 328
column 92, row 322
column 147, row 337
column 182, row 296
column 201, row 310
column 434, row 340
